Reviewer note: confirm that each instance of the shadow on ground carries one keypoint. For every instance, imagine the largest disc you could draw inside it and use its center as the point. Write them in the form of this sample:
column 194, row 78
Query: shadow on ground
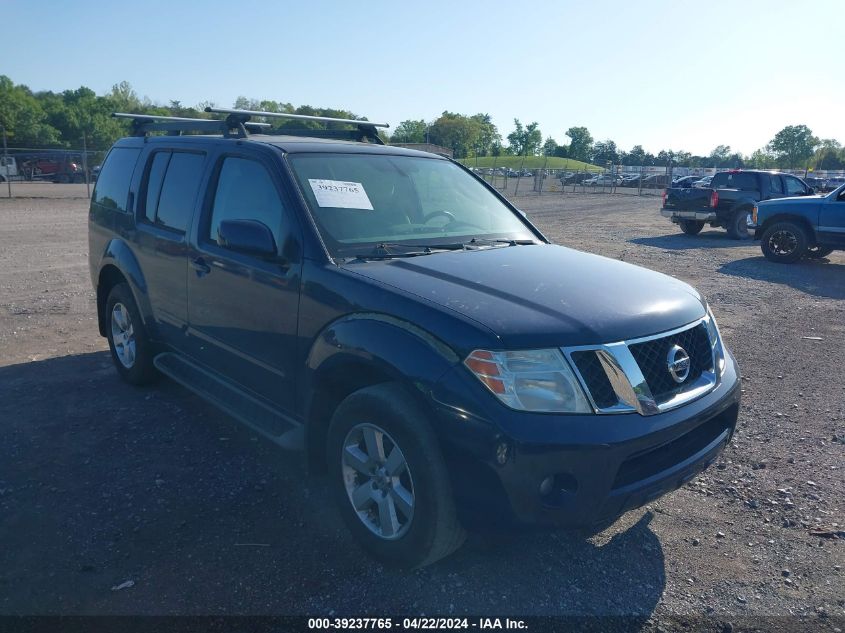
column 820, row 278
column 102, row 483
column 681, row 242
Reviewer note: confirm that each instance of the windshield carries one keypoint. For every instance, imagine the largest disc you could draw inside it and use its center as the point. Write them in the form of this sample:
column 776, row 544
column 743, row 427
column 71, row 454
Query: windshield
column 360, row 201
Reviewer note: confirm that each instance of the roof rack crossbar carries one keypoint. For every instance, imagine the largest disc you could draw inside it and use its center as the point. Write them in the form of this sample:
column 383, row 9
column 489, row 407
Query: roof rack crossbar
column 367, row 129
column 301, row 117
column 142, row 124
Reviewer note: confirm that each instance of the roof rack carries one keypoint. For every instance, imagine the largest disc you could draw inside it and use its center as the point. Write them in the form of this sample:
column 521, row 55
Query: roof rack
column 365, row 129
column 142, row 124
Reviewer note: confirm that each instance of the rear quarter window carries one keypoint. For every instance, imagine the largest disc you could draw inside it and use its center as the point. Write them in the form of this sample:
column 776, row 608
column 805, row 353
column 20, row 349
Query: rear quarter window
column 741, row 181
column 112, row 187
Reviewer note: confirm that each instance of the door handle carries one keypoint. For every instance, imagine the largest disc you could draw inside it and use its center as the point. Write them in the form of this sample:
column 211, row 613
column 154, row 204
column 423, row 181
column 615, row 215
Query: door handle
column 199, row 265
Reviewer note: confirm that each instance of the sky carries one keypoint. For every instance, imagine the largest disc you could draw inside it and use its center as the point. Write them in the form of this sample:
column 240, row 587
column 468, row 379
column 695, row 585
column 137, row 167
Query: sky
column 663, row 74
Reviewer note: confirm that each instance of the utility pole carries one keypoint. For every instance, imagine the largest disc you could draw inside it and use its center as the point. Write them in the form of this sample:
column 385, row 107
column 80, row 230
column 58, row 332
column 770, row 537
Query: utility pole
column 6, row 160
column 85, row 164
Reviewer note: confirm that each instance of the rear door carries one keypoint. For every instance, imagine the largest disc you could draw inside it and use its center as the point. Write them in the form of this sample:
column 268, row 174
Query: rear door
column 243, row 309
column 832, row 220
column 167, row 199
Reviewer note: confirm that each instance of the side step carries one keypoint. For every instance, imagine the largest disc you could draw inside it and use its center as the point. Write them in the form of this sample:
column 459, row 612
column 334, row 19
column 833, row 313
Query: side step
column 257, row 414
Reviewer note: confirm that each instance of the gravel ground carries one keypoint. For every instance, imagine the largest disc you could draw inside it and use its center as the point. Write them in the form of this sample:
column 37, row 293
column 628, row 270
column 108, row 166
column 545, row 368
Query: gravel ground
column 102, row 483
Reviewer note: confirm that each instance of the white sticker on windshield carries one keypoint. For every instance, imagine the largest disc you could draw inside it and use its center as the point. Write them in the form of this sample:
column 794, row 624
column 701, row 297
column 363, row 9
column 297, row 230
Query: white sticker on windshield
column 340, row 194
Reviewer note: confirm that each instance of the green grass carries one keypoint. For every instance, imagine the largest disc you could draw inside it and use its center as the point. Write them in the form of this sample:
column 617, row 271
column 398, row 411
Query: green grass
column 531, row 162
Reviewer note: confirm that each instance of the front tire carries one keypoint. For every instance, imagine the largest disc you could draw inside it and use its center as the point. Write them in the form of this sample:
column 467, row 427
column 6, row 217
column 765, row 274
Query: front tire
column 739, row 223
column 389, row 478
column 691, row 227
column 784, row 242
column 131, row 348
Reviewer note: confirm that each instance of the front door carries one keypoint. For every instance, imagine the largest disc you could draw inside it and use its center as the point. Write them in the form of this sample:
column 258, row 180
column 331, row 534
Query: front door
column 832, row 220
column 243, row 309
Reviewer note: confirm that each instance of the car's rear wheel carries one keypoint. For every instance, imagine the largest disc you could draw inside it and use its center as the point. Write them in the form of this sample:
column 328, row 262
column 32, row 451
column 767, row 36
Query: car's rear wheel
column 818, row 252
column 389, row 478
column 691, row 227
column 784, row 242
column 739, row 223
column 131, row 348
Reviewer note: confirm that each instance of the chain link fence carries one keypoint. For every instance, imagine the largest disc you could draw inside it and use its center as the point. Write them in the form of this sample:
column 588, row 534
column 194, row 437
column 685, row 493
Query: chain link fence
column 28, row 172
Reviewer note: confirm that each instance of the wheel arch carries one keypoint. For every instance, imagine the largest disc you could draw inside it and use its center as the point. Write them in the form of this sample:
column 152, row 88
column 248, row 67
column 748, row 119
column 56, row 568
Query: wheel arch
column 789, row 217
column 363, row 350
column 119, row 265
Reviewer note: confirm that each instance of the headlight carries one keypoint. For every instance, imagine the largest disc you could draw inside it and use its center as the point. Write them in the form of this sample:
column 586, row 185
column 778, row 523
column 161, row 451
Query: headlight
column 715, row 342
column 532, row 380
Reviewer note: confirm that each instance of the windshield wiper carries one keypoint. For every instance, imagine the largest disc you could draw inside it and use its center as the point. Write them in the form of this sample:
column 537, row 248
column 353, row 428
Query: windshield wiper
column 385, row 250
column 487, row 240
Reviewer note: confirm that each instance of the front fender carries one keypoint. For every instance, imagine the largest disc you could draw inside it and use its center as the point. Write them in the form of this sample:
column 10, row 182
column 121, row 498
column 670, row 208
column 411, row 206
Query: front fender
column 117, row 253
column 363, row 349
column 396, row 348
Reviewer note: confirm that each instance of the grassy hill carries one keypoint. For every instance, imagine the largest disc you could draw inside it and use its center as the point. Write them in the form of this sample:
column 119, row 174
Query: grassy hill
column 531, row 162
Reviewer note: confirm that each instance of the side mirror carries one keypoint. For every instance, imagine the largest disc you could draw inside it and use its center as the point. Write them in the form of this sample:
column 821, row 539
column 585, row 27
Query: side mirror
column 250, row 237
column 811, row 191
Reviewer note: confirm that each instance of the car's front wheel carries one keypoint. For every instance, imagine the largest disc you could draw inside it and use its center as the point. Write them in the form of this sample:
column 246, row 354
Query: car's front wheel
column 389, row 478
column 691, row 227
column 784, row 242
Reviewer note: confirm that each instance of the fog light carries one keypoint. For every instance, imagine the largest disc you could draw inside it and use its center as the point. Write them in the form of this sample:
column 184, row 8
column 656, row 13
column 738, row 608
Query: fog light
column 502, row 453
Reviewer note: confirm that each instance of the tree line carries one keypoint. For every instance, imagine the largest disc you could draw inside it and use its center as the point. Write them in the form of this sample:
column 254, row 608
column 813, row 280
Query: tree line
column 47, row 119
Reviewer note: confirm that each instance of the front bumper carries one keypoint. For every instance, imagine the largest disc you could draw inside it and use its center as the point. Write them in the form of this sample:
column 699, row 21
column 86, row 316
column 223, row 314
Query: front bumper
column 598, row 466
column 699, row 216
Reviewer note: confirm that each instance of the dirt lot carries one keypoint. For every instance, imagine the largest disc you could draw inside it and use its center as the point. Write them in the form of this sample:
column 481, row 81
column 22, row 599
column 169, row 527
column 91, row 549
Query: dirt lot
column 101, row 483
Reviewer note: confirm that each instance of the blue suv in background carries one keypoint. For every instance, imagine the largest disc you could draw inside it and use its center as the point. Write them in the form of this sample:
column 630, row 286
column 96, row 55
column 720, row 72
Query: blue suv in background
column 391, row 315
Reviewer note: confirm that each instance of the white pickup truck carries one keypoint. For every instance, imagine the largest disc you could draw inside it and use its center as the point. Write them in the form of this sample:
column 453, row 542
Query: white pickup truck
column 8, row 168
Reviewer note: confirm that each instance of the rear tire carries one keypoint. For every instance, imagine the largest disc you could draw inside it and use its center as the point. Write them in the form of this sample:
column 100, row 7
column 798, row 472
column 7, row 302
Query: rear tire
column 404, row 511
column 131, row 348
column 818, row 252
column 691, row 227
column 738, row 224
column 784, row 242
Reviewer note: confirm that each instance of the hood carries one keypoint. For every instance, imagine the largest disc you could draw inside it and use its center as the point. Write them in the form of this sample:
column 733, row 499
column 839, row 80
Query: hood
column 544, row 295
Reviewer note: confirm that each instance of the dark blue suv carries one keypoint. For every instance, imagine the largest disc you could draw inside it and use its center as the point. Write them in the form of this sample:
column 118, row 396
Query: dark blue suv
column 398, row 320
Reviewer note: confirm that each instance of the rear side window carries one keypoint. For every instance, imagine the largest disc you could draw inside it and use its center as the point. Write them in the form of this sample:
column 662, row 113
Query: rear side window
column 742, row 181
column 154, row 182
column 172, row 185
column 775, row 184
column 112, row 187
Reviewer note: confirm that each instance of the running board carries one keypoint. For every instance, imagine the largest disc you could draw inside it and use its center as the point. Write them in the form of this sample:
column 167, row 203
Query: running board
column 248, row 409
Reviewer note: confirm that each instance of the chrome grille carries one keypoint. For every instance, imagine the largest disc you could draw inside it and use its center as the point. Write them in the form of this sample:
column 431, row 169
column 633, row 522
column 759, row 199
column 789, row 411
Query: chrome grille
column 652, row 355
column 633, row 376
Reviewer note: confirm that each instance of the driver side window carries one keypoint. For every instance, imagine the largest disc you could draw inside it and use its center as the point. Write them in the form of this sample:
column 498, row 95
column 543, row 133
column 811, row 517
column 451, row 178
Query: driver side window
column 794, row 187
column 245, row 191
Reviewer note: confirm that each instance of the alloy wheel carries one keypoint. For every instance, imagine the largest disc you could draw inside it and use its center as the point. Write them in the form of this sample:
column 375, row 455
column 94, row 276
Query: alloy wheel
column 378, row 481
column 783, row 243
column 123, row 335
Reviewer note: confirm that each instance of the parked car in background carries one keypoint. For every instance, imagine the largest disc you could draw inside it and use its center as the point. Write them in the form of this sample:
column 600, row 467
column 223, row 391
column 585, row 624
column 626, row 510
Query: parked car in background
column 603, row 180
column 655, row 181
column 630, row 180
column 703, row 182
column 832, row 183
column 685, row 181
column 729, row 201
column 792, row 228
